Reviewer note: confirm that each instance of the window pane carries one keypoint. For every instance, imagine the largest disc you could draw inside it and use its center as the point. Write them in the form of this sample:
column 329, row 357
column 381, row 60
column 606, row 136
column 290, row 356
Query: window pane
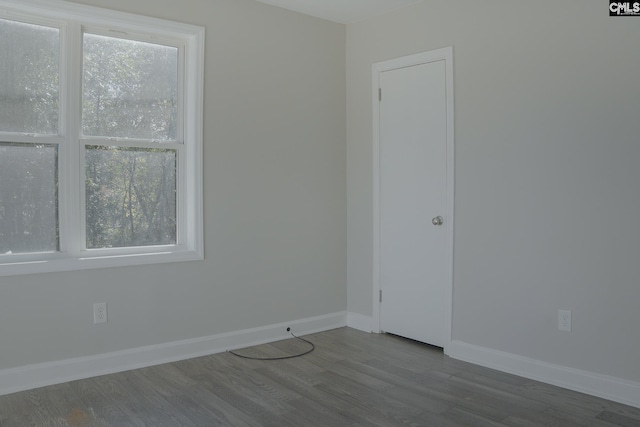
column 28, row 198
column 130, row 197
column 29, row 68
column 130, row 89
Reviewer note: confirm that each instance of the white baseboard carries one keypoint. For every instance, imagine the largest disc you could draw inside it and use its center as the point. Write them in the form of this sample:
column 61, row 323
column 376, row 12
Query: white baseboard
column 607, row 387
column 359, row 321
column 43, row 374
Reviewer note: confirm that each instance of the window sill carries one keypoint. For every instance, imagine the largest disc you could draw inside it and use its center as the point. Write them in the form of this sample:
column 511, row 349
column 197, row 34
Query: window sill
column 95, row 262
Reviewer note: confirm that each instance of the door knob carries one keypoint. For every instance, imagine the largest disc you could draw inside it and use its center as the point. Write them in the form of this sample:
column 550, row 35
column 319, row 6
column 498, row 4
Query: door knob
column 437, row 220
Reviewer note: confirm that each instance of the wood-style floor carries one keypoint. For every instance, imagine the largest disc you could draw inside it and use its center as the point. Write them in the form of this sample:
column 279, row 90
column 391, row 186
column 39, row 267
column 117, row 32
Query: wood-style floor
column 351, row 379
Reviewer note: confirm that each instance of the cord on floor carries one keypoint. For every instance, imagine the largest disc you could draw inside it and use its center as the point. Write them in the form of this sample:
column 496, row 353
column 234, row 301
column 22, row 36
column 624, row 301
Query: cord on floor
column 313, row 347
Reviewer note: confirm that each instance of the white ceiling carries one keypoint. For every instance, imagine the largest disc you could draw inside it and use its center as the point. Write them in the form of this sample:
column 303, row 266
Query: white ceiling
column 342, row 11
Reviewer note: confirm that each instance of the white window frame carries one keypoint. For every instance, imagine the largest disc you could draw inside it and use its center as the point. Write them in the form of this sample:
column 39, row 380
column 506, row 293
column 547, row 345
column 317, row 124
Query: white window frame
column 72, row 19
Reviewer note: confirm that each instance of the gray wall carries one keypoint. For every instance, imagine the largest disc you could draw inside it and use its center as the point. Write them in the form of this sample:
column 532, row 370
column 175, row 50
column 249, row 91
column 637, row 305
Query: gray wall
column 275, row 200
column 547, row 178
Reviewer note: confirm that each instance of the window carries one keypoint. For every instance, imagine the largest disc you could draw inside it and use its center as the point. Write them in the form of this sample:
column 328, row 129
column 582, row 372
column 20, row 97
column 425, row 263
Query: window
column 100, row 138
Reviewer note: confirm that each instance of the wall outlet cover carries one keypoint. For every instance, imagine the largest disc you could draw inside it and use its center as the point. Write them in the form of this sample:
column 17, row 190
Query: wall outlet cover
column 564, row 320
column 100, row 312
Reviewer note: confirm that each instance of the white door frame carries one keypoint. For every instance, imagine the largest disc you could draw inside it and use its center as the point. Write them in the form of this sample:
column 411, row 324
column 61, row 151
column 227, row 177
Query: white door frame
column 444, row 54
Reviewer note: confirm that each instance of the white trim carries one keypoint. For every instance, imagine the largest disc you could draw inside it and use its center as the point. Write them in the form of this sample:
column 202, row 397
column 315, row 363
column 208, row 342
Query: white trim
column 604, row 386
column 43, row 374
column 54, row 265
column 130, row 23
column 360, row 322
column 444, row 54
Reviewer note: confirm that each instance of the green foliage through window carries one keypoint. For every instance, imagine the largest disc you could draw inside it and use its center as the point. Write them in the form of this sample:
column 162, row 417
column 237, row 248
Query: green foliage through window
column 130, row 197
column 29, row 75
column 130, row 89
column 28, row 198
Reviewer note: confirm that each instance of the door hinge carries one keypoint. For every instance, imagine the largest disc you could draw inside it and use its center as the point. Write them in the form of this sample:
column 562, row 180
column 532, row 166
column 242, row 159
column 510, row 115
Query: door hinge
column 379, row 94
column 380, row 295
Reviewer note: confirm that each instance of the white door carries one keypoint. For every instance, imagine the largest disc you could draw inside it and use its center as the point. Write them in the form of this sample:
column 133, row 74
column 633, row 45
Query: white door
column 413, row 215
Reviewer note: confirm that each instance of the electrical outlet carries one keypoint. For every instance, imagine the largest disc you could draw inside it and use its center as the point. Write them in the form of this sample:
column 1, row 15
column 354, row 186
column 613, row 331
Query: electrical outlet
column 564, row 320
column 100, row 312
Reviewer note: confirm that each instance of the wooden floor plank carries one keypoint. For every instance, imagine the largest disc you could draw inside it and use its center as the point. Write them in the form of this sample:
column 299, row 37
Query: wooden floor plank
column 618, row 419
column 351, row 379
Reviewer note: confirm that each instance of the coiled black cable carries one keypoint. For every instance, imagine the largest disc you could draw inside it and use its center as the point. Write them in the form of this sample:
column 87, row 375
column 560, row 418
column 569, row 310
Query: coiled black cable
column 313, row 347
